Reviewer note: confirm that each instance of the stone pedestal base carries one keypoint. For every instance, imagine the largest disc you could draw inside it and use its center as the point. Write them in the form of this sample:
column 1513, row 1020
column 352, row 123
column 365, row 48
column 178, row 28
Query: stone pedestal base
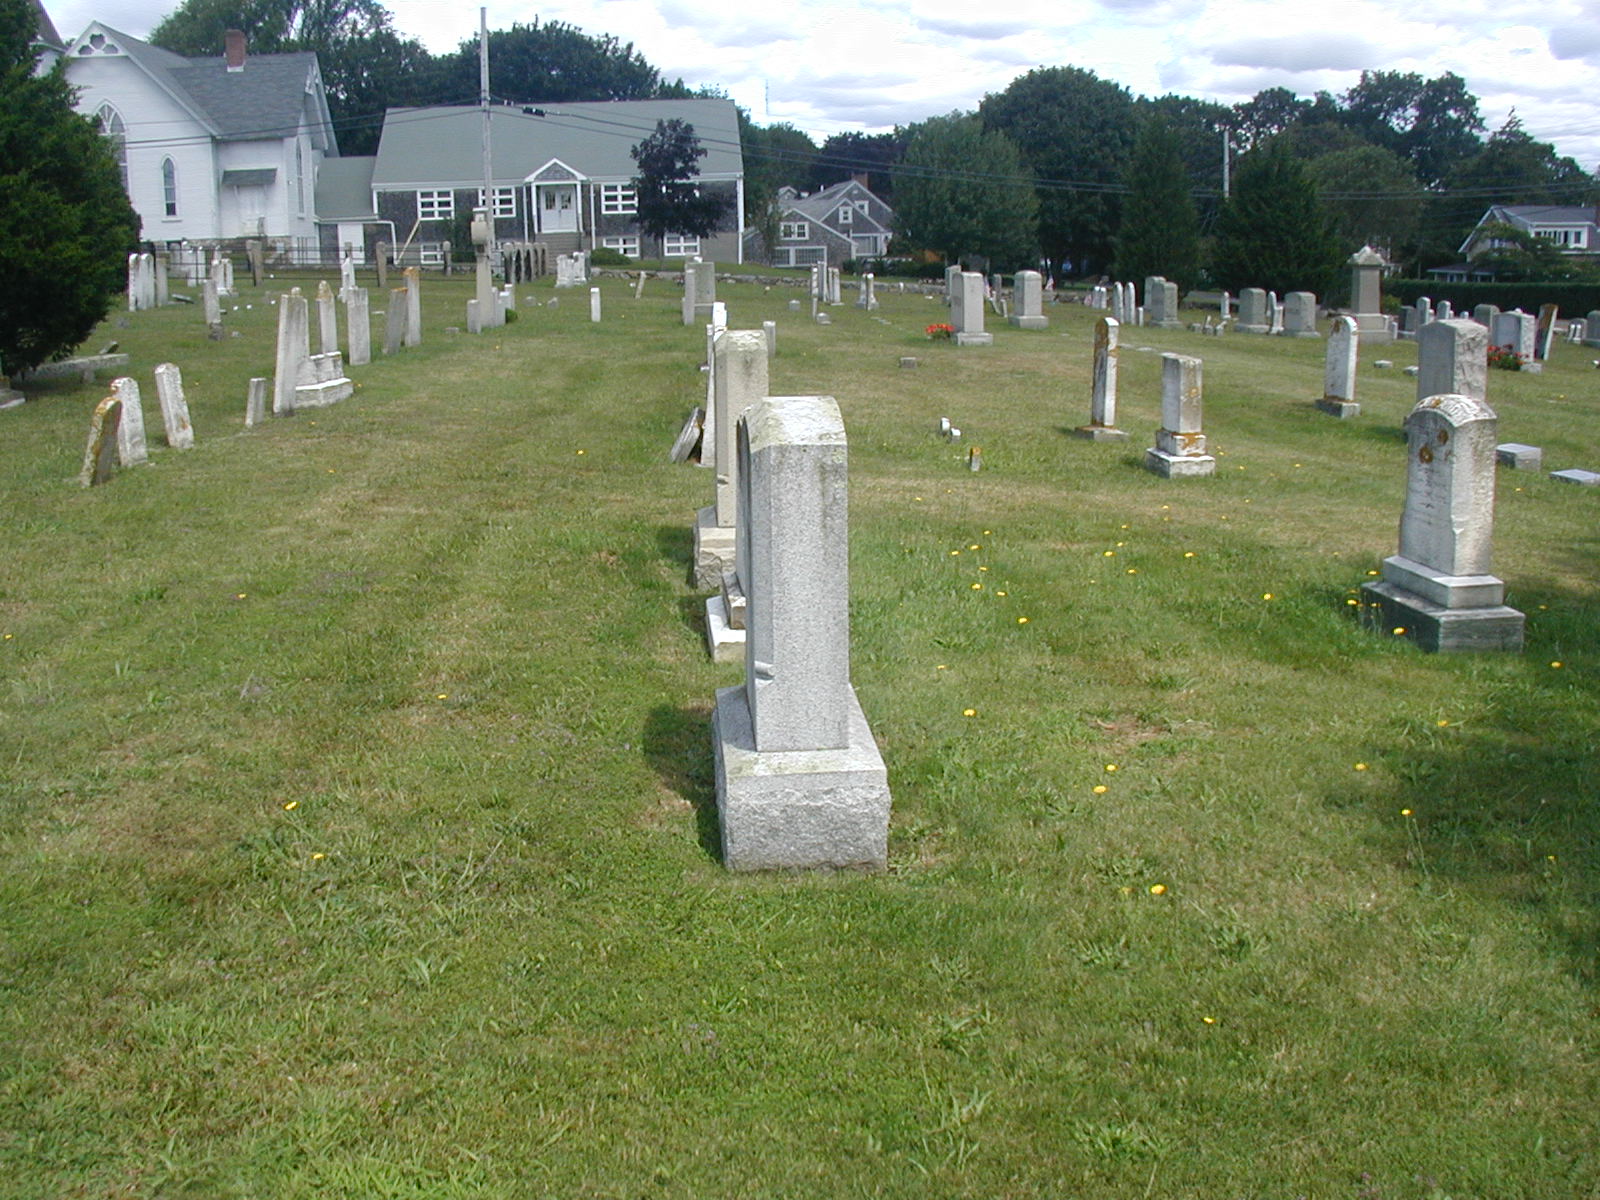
column 1252, row 328
column 1178, row 466
column 320, row 395
column 1342, row 409
column 974, row 339
column 1101, row 433
column 725, row 643
column 1447, row 591
column 1386, row 607
column 1518, row 456
column 793, row 809
column 713, row 548
column 1031, row 322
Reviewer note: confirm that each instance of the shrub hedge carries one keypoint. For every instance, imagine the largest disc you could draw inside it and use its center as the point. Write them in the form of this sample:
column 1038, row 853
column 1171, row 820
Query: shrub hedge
column 1575, row 299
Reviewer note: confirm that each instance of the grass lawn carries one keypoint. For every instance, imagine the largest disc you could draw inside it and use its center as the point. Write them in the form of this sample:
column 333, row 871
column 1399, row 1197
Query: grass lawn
column 357, row 836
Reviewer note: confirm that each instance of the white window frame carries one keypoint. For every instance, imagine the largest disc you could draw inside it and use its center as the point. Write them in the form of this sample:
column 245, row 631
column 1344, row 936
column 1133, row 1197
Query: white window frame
column 847, row 214
column 678, row 245
column 169, row 187
column 505, row 201
column 430, row 254
column 115, row 130
column 794, row 231
column 618, row 199
column 863, row 208
column 626, row 244
column 436, row 204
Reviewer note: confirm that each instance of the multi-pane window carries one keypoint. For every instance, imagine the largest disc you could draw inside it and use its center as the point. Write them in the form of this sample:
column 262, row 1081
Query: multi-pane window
column 847, row 214
column 793, row 231
column 436, row 205
column 677, row 245
column 116, row 131
column 623, row 245
column 505, row 201
column 169, row 186
column 618, row 198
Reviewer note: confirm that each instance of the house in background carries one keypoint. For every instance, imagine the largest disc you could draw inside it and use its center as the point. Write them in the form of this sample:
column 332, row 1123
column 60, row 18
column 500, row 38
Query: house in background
column 841, row 222
column 1574, row 229
column 211, row 148
column 347, row 217
column 562, row 174
column 46, row 43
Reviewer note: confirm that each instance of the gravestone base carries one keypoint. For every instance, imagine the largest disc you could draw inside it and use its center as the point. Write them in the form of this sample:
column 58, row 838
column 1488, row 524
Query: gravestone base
column 713, row 548
column 1519, row 457
column 974, row 339
column 1576, row 475
column 798, row 809
column 1169, row 323
column 1372, row 327
column 1252, row 328
column 1299, row 333
column 733, row 599
column 1447, row 591
column 9, row 396
column 725, row 643
column 1343, row 409
column 1101, row 433
column 1178, row 466
column 1387, row 607
column 1030, row 322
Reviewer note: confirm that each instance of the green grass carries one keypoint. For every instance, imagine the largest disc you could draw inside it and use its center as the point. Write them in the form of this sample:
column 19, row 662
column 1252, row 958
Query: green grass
column 357, row 836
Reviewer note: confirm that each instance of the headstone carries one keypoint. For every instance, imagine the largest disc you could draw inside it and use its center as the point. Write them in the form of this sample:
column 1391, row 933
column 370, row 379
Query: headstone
column 322, row 381
column 1028, row 291
column 347, row 276
column 134, row 288
column 967, row 311
column 799, row 781
column 708, row 443
column 952, row 277
column 174, row 408
column 1444, row 311
column 1300, row 315
column 1366, row 295
column 484, row 294
column 1102, row 426
column 1544, row 331
column 688, row 437
column 1591, row 328
column 413, row 334
column 162, row 265
column 294, row 347
column 1226, row 307
column 1519, row 457
column 131, row 447
column 741, row 369
column 1452, row 359
column 101, row 452
column 1576, row 330
column 327, row 319
column 255, row 254
column 1437, row 590
column 211, row 306
column 381, row 253
column 394, row 332
column 705, row 288
column 255, row 401
column 474, row 316
column 1575, row 475
column 834, row 285
column 1339, row 370
column 147, row 281
column 1253, row 314
column 1180, row 449
column 770, row 330
column 1424, row 312
column 358, row 326
column 1515, row 332
column 1274, row 313
column 868, row 298
column 1484, row 314
column 594, row 305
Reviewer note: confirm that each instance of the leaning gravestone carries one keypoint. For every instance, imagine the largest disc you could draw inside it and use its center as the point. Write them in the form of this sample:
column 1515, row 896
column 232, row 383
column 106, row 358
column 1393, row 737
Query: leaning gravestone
column 131, row 447
column 1437, row 590
column 1452, row 359
column 210, row 305
column 1274, row 314
column 1544, row 332
column 1253, row 315
column 1180, row 449
column 255, row 401
column 101, row 452
column 1102, row 426
column 1339, row 370
column 800, row 782
column 174, row 408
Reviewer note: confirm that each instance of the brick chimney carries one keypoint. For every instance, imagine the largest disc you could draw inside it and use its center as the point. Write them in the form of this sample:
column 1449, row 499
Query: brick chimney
column 233, row 49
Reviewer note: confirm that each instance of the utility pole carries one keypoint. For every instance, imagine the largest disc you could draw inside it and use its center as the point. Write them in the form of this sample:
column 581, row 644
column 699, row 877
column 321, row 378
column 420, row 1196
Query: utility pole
column 483, row 103
column 1226, row 147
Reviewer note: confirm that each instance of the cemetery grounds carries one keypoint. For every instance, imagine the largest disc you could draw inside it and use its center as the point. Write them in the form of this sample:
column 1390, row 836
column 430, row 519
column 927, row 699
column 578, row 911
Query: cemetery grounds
column 359, row 837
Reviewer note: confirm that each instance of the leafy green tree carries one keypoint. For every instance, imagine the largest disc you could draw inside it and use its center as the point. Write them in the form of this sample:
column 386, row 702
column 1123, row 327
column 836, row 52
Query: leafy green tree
column 1433, row 123
column 1517, row 256
column 1198, row 126
column 775, row 156
column 963, row 191
column 1273, row 232
column 669, row 200
column 1074, row 131
column 1265, row 115
column 874, row 155
column 550, row 62
column 1372, row 196
column 1159, row 234
column 66, row 226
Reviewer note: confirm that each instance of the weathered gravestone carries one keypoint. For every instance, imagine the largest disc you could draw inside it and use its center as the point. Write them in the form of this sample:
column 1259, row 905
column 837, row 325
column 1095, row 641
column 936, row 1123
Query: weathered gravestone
column 1102, row 426
column 294, row 347
column 1452, row 359
column 1180, row 449
column 255, row 401
column 210, row 305
column 1484, row 314
column 327, row 319
column 868, row 297
column 1339, row 370
column 1514, row 332
column 594, row 305
column 1300, row 315
column 1161, row 302
column 1028, row 292
column 394, row 329
column 800, row 782
column 741, row 369
column 358, row 326
column 100, row 453
column 769, row 330
column 1366, row 295
column 1545, row 330
column 1438, row 590
column 1253, row 314
column 131, row 446
column 413, row 306
column 174, row 408
column 1591, row 328
column 967, row 311
column 1519, row 456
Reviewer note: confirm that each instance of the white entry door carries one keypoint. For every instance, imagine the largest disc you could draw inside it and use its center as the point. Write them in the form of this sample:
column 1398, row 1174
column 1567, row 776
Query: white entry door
column 558, row 208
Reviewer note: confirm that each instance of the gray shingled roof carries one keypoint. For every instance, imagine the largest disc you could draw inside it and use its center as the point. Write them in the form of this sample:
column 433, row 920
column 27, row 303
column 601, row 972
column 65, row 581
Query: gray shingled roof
column 344, row 189
column 438, row 147
column 44, row 29
column 1556, row 214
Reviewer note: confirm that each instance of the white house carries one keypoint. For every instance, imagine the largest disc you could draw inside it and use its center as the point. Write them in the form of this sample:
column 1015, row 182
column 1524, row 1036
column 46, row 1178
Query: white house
column 1573, row 229
column 211, row 148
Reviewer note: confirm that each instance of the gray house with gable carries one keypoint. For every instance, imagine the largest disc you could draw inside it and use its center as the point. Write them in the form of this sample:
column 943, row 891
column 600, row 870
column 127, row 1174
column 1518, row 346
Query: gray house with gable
column 562, row 174
column 840, row 222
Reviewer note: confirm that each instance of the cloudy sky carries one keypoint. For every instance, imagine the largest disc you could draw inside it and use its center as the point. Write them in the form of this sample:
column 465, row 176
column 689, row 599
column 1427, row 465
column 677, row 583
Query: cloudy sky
column 828, row 66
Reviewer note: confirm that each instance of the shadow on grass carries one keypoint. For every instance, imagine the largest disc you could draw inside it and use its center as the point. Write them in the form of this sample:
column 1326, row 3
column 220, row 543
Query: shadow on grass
column 677, row 743
column 1506, row 802
column 676, row 543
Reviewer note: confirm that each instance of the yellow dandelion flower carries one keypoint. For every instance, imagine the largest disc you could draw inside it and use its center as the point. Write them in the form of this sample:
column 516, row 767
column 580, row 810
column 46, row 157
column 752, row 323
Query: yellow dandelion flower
column 442, row 696
column 238, row 595
column 1556, row 665
column 1209, row 1020
column 1371, row 572
column 583, row 452
column 1353, row 603
column 1188, row 553
column 318, row 856
column 1158, row 889
column 1361, row 766
column 1002, row 593
column 1266, row 595
column 291, row 805
column 983, row 568
column 918, row 499
column 1133, row 570
column 1100, row 789
column 974, row 546
column 1164, row 507
column 1108, row 554
column 8, row 637
column 954, row 553
column 969, row 712
column 977, row 587
column 1111, row 767
column 1398, row 630
column 986, row 533
column 942, row 667
column 1405, row 812
column 1441, row 722
column 1022, row 620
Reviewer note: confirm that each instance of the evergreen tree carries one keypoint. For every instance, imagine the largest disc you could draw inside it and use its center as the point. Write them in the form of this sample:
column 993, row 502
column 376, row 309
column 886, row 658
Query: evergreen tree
column 962, row 191
column 1273, row 232
column 1159, row 233
column 669, row 200
column 66, row 226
